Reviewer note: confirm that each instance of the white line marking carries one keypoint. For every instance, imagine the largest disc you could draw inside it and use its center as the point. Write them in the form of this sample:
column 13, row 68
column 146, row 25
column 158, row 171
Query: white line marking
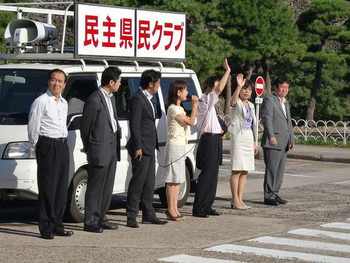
column 302, row 243
column 343, row 182
column 287, row 174
column 192, row 259
column 280, row 254
column 337, row 225
column 319, row 233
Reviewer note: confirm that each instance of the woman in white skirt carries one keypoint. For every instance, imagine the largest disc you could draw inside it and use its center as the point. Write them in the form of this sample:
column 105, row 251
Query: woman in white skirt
column 178, row 122
column 243, row 148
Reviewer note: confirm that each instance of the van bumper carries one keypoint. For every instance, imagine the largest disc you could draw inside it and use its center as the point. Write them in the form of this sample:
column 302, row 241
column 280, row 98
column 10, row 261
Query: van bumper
column 18, row 176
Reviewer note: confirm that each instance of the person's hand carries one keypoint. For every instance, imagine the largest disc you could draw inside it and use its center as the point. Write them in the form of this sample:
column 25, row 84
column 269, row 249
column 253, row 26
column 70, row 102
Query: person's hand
column 138, row 154
column 290, row 146
column 240, row 80
column 273, row 140
column 194, row 100
column 256, row 149
column 226, row 65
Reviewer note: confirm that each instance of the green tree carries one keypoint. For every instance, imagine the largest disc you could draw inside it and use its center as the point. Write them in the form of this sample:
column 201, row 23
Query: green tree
column 4, row 19
column 263, row 33
column 323, row 26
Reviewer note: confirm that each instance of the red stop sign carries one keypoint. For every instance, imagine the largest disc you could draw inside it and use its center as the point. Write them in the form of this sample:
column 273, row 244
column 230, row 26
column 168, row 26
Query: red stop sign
column 259, row 86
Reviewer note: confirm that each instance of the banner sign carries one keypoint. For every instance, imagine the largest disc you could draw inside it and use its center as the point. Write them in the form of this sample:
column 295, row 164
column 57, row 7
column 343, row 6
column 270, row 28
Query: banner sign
column 106, row 31
column 160, row 35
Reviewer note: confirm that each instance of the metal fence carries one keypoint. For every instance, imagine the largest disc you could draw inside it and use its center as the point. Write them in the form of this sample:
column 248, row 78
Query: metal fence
column 327, row 131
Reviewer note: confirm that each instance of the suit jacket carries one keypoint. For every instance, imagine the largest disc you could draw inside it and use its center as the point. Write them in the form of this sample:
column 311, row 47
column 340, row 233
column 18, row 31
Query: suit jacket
column 276, row 124
column 96, row 130
column 143, row 132
column 237, row 118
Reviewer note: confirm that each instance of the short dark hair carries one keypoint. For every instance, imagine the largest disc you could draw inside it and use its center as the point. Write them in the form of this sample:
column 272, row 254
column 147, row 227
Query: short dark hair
column 149, row 76
column 175, row 86
column 57, row 70
column 110, row 73
column 281, row 80
column 209, row 83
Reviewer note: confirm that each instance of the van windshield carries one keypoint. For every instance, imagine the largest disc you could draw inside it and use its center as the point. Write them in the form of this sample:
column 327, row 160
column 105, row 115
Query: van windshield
column 18, row 89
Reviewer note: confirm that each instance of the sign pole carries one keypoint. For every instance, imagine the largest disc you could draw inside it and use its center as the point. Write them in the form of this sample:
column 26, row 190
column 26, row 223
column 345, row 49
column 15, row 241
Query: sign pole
column 259, row 90
column 257, row 121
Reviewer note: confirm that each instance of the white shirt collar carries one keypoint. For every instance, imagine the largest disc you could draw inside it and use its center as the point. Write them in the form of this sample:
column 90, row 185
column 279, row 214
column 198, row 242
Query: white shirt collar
column 106, row 92
column 282, row 100
column 49, row 93
column 147, row 94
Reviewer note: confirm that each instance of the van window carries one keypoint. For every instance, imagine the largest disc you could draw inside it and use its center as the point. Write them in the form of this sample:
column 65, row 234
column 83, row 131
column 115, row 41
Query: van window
column 128, row 88
column 18, row 89
column 165, row 86
column 78, row 89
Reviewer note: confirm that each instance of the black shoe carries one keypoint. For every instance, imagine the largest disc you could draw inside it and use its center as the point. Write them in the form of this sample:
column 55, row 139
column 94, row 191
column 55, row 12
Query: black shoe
column 203, row 215
column 154, row 221
column 109, row 226
column 280, row 200
column 93, row 229
column 213, row 212
column 47, row 235
column 132, row 223
column 272, row 202
column 64, row 233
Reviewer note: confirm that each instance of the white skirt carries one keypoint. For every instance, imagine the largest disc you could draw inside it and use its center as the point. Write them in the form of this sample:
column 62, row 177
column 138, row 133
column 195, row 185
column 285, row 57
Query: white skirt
column 242, row 151
column 175, row 161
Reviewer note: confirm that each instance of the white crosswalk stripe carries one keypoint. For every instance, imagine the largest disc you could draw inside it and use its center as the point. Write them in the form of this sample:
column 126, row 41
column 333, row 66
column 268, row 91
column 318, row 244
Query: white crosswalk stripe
column 323, row 251
column 193, row 259
column 278, row 254
column 302, row 243
column 320, row 233
column 339, row 225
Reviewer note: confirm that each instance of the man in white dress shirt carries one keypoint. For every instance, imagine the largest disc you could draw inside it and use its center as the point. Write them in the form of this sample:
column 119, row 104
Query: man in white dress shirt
column 47, row 131
column 208, row 152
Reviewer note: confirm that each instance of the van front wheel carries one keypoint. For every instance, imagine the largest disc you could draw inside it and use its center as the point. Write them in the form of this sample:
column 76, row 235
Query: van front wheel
column 183, row 193
column 76, row 197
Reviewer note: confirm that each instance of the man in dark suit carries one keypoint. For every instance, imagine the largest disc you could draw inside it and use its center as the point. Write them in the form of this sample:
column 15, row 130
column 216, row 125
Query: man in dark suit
column 277, row 140
column 100, row 133
column 141, row 147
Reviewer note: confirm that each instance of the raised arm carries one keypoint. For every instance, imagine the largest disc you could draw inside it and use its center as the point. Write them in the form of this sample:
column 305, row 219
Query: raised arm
column 224, row 78
column 240, row 83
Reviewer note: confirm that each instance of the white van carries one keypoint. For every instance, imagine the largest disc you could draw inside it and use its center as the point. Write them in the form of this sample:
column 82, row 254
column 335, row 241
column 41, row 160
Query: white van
column 21, row 82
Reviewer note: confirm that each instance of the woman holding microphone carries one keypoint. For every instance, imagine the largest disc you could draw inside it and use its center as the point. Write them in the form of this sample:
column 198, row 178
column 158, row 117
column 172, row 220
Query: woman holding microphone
column 178, row 123
column 243, row 148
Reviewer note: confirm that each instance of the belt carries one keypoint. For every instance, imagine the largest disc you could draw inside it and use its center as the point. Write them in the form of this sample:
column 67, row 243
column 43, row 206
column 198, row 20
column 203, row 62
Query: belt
column 63, row 139
column 210, row 134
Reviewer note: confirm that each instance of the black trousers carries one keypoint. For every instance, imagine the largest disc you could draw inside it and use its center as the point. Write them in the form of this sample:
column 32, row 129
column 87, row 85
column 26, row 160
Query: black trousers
column 208, row 155
column 52, row 175
column 141, row 188
column 99, row 191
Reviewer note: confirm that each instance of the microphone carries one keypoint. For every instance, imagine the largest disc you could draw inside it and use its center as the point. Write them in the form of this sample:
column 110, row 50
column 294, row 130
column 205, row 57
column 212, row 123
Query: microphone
column 189, row 98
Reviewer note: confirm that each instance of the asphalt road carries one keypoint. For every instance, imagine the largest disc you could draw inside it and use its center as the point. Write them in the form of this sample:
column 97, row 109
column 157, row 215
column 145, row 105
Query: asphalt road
column 318, row 194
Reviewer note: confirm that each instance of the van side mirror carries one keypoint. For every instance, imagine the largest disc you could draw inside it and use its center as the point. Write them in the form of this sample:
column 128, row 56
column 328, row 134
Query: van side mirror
column 73, row 121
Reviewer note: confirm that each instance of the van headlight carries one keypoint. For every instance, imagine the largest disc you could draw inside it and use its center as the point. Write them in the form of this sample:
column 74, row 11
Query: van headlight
column 19, row 150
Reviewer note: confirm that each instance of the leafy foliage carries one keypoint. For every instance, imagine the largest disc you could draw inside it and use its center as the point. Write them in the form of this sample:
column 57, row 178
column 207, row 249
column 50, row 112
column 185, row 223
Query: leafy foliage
column 272, row 38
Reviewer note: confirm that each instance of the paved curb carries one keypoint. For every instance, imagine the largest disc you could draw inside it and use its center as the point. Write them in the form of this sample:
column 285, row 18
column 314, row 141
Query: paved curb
column 303, row 156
